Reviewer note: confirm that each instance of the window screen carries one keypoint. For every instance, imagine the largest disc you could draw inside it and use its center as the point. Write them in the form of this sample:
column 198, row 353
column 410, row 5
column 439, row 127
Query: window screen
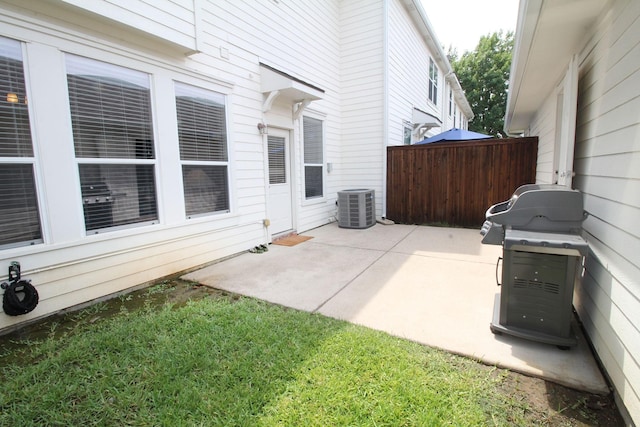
column 202, row 134
column 113, row 140
column 313, row 157
column 19, row 214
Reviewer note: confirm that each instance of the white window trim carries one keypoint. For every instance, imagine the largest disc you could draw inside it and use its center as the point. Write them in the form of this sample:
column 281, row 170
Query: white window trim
column 33, row 160
column 230, row 180
column 302, row 196
column 433, row 81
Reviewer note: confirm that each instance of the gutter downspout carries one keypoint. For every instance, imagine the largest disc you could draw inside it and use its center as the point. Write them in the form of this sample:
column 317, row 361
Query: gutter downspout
column 385, row 108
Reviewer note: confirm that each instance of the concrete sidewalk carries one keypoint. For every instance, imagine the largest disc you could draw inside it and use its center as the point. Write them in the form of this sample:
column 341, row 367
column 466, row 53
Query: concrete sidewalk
column 432, row 285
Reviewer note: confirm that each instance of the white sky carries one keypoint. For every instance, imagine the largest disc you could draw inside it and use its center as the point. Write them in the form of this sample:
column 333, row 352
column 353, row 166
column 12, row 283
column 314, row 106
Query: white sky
column 461, row 23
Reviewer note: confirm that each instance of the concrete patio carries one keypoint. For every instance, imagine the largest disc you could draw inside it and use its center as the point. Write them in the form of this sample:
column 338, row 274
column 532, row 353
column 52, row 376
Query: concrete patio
column 431, row 285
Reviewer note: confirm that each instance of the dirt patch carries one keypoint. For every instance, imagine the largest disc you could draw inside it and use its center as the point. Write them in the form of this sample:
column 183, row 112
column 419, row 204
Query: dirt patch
column 542, row 403
column 548, row 404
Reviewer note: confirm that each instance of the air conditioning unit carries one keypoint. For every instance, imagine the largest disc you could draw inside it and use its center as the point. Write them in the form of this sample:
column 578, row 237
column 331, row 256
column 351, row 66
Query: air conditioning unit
column 356, row 208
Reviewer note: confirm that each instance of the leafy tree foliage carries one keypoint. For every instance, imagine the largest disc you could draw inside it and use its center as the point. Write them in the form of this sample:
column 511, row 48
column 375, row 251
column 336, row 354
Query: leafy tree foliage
column 484, row 76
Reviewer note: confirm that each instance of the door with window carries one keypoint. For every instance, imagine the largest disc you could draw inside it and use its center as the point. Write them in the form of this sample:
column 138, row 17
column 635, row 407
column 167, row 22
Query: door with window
column 280, row 207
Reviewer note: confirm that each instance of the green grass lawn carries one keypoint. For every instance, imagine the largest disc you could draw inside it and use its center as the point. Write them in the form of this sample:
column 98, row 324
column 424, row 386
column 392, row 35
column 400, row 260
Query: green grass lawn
column 240, row 362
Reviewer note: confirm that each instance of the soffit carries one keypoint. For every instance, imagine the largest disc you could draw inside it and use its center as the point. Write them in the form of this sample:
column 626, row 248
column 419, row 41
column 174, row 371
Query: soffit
column 548, row 34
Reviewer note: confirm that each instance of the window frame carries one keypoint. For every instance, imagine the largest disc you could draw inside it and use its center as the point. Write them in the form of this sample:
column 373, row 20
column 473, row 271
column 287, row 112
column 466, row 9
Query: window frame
column 227, row 164
column 432, row 94
column 30, row 160
column 306, row 164
column 147, row 162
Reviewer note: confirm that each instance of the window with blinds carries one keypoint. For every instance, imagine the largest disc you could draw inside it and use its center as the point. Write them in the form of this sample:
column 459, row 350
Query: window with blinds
column 202, row 134
column 113, row 140
column 313, row 157
column 19, row 213
column 277, row 160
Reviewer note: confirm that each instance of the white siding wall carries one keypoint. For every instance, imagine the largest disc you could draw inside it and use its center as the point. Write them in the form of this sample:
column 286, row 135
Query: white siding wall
column 544, row 127
column 170, row 23
column 607, row 166
column 607, row 163
column 71, row 268
column 301, row 39
column 363, row 82
column 172, row 20
column 409, row 74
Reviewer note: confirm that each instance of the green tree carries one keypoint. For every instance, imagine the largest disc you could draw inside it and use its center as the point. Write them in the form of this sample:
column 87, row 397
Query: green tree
column 484, row 77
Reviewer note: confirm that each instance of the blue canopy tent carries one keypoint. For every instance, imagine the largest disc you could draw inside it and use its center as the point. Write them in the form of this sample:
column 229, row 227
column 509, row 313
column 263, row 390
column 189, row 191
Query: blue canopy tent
column 454, row 134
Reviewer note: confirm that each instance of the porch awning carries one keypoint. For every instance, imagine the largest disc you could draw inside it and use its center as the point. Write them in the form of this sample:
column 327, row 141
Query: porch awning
column 278, row 84
column 423, row 121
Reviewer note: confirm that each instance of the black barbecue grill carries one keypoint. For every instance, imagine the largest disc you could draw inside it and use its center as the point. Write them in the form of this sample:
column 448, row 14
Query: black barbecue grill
column 97, row 203
column 539, row 229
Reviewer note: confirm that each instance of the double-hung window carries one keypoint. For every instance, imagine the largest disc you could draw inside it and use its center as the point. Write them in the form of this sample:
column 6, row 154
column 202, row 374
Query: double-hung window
column 313, row 157
column 19, row 213
column 114, row 145
column 433, row 81
column 202, row 134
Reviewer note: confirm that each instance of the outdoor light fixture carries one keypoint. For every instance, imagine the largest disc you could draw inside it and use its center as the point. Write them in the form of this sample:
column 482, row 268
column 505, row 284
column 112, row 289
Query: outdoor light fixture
column 12, row 97
column 262, row 128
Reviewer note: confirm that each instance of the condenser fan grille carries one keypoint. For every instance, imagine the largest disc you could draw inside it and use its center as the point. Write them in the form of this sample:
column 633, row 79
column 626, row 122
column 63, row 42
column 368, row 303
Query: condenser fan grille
column 356, row 208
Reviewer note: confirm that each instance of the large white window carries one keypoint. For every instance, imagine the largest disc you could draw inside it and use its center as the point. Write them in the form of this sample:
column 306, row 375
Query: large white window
column 202, row 132
column 313, row 157
column 433, row 81
column 19, row 214
column 114, row 144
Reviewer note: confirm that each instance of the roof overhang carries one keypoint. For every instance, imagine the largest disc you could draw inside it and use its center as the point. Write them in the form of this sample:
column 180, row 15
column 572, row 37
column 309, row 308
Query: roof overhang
column 548, row 34
column 287, row 88
column 459, row 96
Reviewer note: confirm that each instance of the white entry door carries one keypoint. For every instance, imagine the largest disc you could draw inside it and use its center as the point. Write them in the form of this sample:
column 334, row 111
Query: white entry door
column 280, row 206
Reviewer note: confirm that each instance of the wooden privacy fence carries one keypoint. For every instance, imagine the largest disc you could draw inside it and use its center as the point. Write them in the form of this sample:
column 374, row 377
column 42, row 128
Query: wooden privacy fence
column 454, row 183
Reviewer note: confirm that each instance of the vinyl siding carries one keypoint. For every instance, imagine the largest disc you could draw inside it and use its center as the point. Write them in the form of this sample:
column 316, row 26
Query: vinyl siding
column 408, row 74
column 362, row 83
column 71, row 268
column 544, row 127
column 171, row 20
column 607, row 171
column 607, row 165
column 312, row 56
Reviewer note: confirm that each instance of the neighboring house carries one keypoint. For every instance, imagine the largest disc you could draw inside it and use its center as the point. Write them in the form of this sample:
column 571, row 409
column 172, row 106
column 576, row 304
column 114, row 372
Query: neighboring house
column 575, row 83
column 140, row 139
